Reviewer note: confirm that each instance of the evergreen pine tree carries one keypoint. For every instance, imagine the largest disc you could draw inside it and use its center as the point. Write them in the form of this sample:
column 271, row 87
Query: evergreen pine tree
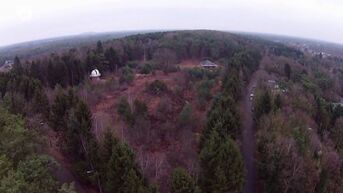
column 223, row 118
column 277, row 102
column 17, row 66
column 121, row 162
column 40, row 102
column 112, row 57
column 132, row 183
column 222, row 168
column 288, row 70
column 59, row 111
column 181, row 182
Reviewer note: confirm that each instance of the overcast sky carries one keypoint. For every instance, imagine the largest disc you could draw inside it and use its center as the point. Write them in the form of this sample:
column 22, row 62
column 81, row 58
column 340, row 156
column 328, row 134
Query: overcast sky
column 24, row 20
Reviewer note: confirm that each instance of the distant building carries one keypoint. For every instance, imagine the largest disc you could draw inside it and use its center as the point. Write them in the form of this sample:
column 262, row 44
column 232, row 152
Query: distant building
column 7, row 66
column 208, row 64
column 95, row 74
column 9, row 62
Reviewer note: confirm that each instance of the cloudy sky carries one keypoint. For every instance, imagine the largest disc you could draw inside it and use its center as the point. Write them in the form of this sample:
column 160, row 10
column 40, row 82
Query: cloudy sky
column 24, row 20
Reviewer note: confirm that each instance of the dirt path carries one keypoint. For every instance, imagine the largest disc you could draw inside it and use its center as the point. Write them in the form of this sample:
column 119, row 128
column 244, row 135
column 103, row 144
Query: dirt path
column 249, row 131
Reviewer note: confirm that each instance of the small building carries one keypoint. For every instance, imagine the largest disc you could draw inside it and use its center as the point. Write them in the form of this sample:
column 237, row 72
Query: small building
column 95, row 74
column 9, row 62
column 7, row 66
column 208, row 64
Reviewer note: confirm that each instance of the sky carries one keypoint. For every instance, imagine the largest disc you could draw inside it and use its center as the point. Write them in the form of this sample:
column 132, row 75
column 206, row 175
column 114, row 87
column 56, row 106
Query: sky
column 26, row 20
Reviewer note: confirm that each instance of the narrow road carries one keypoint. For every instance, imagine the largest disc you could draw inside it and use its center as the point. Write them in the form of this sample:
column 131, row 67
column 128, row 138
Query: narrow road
column 249, row 140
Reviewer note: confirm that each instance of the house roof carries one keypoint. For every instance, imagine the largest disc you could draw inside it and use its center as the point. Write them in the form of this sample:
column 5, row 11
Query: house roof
column 207, row 63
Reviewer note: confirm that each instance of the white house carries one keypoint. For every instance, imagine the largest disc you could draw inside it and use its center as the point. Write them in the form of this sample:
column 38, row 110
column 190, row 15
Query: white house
column 95, row 74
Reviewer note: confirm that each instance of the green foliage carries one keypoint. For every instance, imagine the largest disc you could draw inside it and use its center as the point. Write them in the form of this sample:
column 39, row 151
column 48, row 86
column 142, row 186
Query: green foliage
column 279, row 49
column 4, row 79
column 181, row 182
column 322, row 116
column 140, row 108
column 157, row 87
column 21, row 170
column 231, row 84
column 122, row 174
column 72, row 119
column 302, row 139
column 309, row 84
column 61, row 108
column 40, row 103
column 132, row 64
column 99, row 48
column 247, row 61
column 124, row 110
column 14, row 102
column 185, row 115
column 262, row 104
column 287, row 70
column 36, row 174
column 222, row 168
column 79, row 141
column 196, row 73
column 337, row 111
column 337, row 135
column 113, row 59
column 222, row 118
column 277, row 102
column 14, row 136
column 204, row 91
column 201, row 74
column 17, row 91
column 17, row 66
column 126, row 75
column 323, row 80
column 74, row 66
column 146, row 69
column 118, row 169
column 108, row 142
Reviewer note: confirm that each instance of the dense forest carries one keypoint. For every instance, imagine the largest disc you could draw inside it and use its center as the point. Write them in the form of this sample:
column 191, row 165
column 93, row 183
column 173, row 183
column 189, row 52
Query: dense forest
column 154, row 124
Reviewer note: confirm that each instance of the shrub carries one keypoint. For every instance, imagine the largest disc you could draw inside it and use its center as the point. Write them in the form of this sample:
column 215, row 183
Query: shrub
column 169, row 69
column 185, row 115
column 124, row 110
column 200, row 74
column 204, row 89
column 14, row 103
column 146, row 69
column 126, row 75
column 132, row 64
column 157, row 87
column 262, row 103
column 182, row 182
column 195, row 73
column 140, row 108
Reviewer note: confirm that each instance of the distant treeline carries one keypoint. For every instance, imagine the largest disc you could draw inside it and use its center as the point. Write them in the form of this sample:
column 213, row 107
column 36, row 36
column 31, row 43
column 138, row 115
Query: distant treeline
column 163, row 50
